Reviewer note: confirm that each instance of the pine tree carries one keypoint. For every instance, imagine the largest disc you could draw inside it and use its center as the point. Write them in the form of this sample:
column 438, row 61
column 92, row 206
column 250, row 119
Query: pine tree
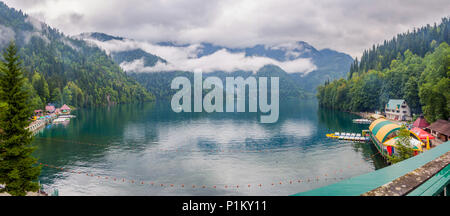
column 17, row 172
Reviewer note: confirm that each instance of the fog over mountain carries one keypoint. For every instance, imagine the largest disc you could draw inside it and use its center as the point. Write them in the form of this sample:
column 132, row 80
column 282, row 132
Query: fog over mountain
column 349, row 26
column 291, row 57
column 300, row 66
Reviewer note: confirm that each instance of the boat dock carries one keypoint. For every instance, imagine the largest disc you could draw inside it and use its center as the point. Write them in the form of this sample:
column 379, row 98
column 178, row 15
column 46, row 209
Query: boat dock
column 427, row 174
column 358, row 137
column 36, row 125
column 362, row 121
column 39, row 124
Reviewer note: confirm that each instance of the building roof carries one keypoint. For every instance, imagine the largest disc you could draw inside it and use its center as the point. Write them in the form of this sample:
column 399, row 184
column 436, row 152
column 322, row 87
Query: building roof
column 381, row 128
column 441, row 126
column 376, row 116
column 358, row 185
column 421, row 133
column 50, row 108
column 415, row 144
column 394, row 103
column 421, row 122
column 65, row 107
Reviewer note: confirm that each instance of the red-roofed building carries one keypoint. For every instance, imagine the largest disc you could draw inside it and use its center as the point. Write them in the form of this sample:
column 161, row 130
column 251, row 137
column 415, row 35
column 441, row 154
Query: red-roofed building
column 421, row 122
column 422, row 134
column 50, row 109
column 38, row 112
column 65, row 109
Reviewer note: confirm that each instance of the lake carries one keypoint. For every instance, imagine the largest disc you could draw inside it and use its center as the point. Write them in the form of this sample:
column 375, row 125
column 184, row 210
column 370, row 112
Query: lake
column 147, row 149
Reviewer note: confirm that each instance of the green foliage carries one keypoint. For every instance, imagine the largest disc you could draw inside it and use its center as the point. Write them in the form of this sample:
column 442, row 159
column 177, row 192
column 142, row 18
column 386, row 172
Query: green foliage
column 411, row 94
column 41, row 86
column 434, row 92
column 57, row 96
column 131, row 55
column 67, row 95
column 420, row 42
column 403, row 147
column 34, row 101
column 17, row 172
column 62, row 61
column 410, row 66
column 158, row 83
column 76, row 96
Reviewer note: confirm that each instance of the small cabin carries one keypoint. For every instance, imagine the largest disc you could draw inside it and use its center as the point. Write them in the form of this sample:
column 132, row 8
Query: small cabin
column 50, row 109
column 38, row 112
column 65, row 109
column 440, row 129
column 421, row 123
column 398, row 109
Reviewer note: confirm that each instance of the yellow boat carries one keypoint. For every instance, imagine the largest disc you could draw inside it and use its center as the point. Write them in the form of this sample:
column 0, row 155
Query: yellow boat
column 333, row 136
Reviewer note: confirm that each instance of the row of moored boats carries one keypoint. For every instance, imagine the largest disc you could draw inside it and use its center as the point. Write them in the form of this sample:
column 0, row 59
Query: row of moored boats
column 348, row 136
column 362, row 121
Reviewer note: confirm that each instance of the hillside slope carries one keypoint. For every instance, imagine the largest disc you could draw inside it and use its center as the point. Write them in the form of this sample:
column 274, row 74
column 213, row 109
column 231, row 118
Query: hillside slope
column 66, row 70
column 141, row 64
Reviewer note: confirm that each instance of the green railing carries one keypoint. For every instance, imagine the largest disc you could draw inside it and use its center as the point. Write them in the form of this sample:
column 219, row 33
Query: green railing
column 436, row 185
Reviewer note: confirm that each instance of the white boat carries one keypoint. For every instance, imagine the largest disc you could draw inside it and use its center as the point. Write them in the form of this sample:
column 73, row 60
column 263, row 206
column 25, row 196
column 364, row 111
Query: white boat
column 67, row 116
column 60, row 120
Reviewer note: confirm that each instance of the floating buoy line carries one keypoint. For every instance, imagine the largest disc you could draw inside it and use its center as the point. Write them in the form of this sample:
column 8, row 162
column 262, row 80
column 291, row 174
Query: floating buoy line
column 324, row 177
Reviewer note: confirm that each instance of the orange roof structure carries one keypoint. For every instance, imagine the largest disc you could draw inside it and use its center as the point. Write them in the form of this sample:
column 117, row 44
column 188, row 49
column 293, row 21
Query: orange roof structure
column 421, row 133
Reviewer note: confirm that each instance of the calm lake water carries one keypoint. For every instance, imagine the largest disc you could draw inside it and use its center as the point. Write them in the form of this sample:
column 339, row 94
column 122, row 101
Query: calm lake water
column 224, row 152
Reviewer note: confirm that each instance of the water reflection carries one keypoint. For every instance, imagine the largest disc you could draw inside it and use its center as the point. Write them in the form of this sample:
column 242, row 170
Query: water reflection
column 148, row 142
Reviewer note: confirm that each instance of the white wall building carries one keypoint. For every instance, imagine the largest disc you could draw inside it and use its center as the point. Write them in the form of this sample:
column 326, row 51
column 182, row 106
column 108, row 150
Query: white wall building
column 398, row 109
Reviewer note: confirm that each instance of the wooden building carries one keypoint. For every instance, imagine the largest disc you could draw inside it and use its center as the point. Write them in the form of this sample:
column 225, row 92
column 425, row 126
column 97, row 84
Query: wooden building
column 440, row 129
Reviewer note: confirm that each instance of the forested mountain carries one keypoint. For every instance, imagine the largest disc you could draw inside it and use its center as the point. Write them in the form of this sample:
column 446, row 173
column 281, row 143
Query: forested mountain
column 420, row 42
column 329, row 63
column 61, row 69
column 124, row 56
column 159, row 82
column 414, row 66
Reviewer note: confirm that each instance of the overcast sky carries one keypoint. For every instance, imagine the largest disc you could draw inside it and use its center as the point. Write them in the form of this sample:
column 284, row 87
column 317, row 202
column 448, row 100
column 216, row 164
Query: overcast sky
column 348, row 26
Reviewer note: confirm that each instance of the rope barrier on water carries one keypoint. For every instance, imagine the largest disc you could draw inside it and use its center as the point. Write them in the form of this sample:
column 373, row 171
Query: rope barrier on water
column 323, row 177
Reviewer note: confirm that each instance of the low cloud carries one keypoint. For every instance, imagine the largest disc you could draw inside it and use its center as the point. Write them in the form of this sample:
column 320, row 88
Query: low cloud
column 6, row 35
column 37, row 25
column 348, row 26
column 28, row 35
column 38, row 29
column 184, row 58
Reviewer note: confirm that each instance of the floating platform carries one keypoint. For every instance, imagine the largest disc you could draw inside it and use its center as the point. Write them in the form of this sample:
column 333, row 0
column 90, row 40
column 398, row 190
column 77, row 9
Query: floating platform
column 61, row 120
column 67, row 116
column 348, row 136
column 362, row 121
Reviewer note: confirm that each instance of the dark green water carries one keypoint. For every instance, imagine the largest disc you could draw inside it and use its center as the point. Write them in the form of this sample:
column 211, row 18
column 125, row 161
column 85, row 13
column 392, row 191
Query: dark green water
column 150, row 143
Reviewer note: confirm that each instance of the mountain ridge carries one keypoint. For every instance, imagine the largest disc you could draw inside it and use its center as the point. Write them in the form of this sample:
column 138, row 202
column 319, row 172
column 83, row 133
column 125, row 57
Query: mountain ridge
column 77, row 73
column 330, row 64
